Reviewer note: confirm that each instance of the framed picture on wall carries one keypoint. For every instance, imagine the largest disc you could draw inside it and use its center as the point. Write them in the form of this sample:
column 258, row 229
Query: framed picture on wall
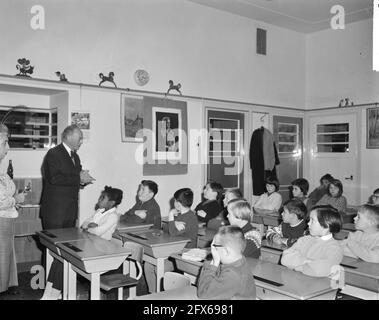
column 81, row 119
column 131, row 118
column 167, row 133
column 372, row 128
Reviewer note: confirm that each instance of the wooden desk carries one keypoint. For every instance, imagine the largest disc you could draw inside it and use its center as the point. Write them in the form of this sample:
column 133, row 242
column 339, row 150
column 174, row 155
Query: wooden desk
column 184, row 293
column 274, row 282
column 50, row 239
column 130, row 227
column 158, row 246
column 361, row 278
column 90, row 258
column 271, row 252
column 265, row 220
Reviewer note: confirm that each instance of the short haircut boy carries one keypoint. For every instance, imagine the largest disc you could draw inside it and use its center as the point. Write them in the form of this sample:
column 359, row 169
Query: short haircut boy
column 153, row 187
column 337, row 183
column 297, row 207
column 184, row 196
column 273, row 181
column 373, row 212
column 113, row 194
column 329, row 217
column 215, row 186
column 302, row 183
column 241, row 209
column 232, row 236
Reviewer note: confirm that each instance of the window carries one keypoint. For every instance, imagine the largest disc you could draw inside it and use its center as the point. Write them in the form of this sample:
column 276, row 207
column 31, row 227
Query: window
column 31, row 129
column 333, row 137
column 288, row 137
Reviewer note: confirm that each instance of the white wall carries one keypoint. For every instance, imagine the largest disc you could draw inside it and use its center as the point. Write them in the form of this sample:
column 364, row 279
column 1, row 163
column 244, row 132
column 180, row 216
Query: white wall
column 339, row 65
column 211, row 52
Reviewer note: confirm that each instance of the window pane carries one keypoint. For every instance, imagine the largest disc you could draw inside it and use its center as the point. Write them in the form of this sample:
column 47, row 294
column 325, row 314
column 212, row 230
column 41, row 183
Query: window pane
column 287, row 138
column 333, row 138
column 287, row 127
column 333, row 148
column 287, row 148
column 29, row 143
column 334, row 127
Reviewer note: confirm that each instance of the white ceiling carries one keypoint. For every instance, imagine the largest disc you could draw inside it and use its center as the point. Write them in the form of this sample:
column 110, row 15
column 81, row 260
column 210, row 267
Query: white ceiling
column 304, row 16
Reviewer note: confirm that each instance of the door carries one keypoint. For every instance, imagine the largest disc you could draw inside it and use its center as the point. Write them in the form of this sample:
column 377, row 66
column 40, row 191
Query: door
column 288, row 133
column 333, row 149
column 225, row 145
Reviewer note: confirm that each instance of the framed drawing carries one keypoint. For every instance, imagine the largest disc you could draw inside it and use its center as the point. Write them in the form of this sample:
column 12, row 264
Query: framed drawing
column 131, row 118
column 81, row 119
column 167, row 133
column 165, row 146
column 372, row 141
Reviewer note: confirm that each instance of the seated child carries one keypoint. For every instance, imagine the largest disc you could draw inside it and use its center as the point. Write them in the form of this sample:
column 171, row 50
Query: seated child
column 299, row 190
column 211, row 206
column 322, row 189
column 182, row 221
column 316, row 254
column 271, row 201
column 334, row 196
column 293, row 225
column 104, row 221
column 374, row 198
column 221, row 219
column 146, row 209
column 364, row 243
column 240, row 215
column 228, row 275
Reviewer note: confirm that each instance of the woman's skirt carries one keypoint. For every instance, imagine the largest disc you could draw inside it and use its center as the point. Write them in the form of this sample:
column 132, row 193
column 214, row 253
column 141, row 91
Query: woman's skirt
column 8, row 267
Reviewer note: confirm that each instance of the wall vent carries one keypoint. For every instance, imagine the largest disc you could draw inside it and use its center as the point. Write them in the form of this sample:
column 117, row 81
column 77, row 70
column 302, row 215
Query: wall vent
column 261, row 41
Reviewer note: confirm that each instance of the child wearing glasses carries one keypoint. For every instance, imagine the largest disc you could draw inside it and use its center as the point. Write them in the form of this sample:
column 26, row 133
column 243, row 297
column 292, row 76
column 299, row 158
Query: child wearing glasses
column 227, row 275
column 364, row 243
column 316, row 254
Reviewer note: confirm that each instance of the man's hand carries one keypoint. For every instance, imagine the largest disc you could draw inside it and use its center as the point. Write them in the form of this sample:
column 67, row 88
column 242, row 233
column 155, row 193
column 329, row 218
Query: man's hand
column 215, row 256
column 19, row 197
column 85, row 177
column 141, row 213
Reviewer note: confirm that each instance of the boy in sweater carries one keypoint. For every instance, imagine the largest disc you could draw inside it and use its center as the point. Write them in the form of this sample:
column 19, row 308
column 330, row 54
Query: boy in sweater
column 315, row 255
column 293, row 226
column 182, row 221
column 228, row 275
column 364, row 243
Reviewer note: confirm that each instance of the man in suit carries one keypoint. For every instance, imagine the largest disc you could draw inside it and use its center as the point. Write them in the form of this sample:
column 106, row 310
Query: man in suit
column 62, row 178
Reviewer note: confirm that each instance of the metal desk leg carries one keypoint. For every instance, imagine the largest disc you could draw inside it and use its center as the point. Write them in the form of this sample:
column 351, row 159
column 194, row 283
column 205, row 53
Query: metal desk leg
column 65, row 280
column 48, row 261
column 132, row 273
column 95, row 286
column 160, row 272
column 71, row 283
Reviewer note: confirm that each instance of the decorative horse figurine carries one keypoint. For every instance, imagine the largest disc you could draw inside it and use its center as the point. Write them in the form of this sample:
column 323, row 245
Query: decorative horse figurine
column 24, row 67
column 62, row 76
column 173, row 87
column 109, row 78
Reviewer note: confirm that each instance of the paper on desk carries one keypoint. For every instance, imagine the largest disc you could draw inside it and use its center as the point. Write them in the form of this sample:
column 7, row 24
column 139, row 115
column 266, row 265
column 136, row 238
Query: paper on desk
column 195, row 254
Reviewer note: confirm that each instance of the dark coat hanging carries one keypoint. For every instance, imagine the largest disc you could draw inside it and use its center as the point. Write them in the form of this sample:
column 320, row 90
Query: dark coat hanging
column 259, row 174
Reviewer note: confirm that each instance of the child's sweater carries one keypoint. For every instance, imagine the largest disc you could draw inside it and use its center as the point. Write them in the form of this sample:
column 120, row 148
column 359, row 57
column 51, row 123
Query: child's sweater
column 190, row 230
column 106, row 223
column 232, row 281
column 313, row 256
column 286, row 231
column 362, row 245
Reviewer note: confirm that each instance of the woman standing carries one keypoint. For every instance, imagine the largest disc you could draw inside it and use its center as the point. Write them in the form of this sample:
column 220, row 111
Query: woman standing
column 8, row 214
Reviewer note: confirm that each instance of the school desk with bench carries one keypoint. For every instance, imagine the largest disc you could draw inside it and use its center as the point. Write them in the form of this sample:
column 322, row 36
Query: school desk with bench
column 158, row 246
column 83, row 253
column 273, row 281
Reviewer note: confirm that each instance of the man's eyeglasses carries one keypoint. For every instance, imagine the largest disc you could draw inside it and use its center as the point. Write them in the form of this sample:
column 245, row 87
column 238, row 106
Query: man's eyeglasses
column 376, row 196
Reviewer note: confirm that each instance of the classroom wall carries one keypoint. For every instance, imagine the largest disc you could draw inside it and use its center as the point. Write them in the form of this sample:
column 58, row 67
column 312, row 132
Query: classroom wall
column 210, row 52
column 339, row 65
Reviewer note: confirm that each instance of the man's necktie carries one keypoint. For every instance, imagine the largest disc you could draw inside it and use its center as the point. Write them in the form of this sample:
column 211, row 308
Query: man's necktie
column 72, row 157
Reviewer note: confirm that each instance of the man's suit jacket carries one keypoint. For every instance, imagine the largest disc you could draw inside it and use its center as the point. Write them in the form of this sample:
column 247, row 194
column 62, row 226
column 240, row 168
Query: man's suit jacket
column 61, row 183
